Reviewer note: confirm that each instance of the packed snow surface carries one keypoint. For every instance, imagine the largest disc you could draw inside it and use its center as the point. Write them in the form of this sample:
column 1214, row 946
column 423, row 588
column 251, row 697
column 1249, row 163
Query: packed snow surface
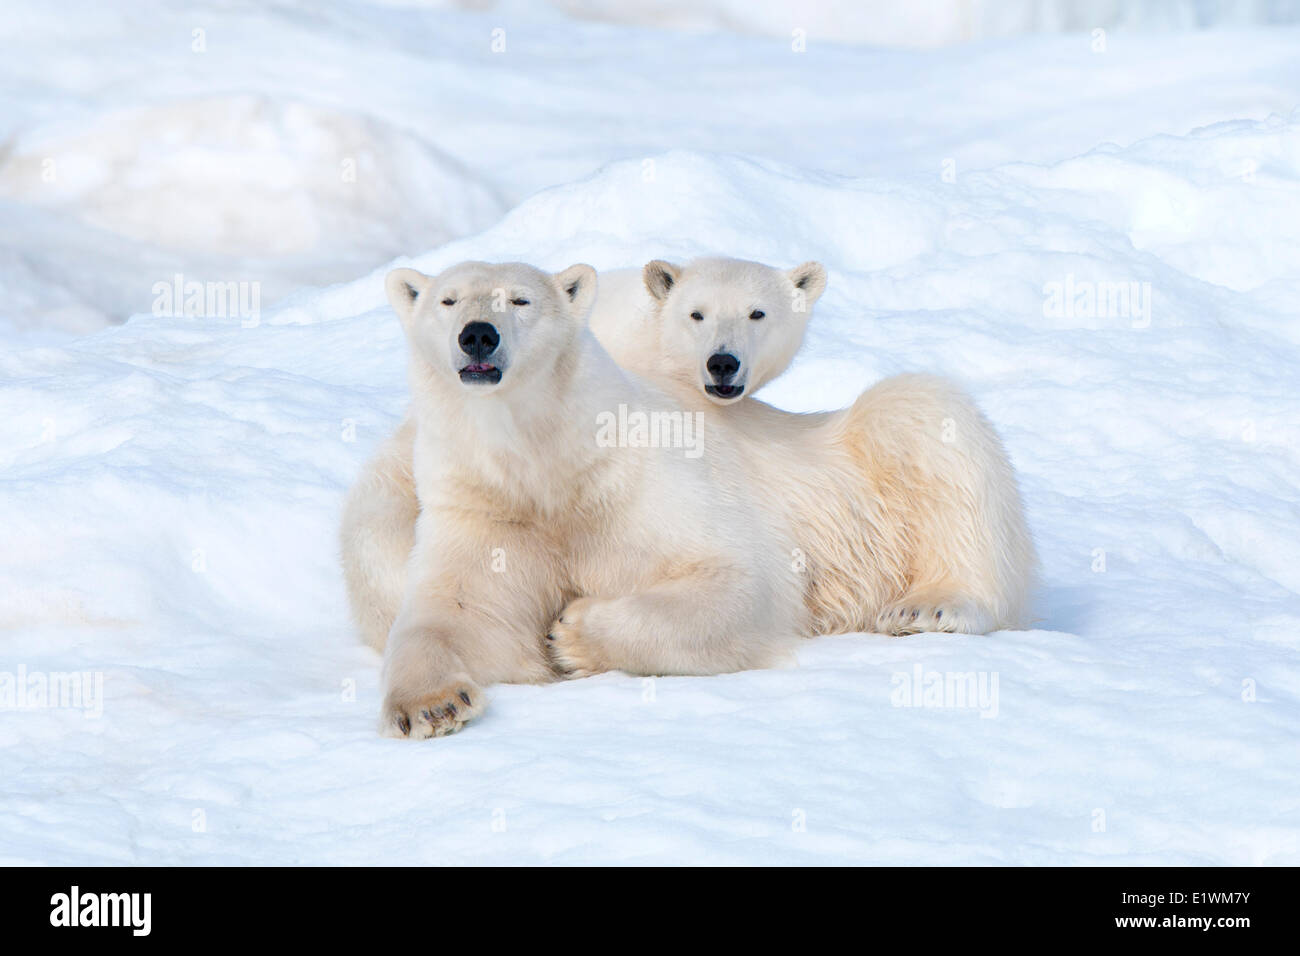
column 1114, row 277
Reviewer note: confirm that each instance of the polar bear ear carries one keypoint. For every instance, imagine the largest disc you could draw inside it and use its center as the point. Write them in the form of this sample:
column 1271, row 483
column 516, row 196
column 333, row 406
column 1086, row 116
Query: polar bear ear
column 577, row 287
column 660, row 277
column 404, row 288
column 810, row 279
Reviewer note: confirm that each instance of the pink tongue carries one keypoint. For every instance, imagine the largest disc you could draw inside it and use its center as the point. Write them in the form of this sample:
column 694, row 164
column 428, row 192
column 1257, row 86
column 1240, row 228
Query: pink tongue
column 478, row 368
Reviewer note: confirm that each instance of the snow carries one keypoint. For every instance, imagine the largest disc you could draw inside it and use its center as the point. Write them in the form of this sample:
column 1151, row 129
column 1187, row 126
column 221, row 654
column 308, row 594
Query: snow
column 170, row 487
column 215, row 141
column 924, row 23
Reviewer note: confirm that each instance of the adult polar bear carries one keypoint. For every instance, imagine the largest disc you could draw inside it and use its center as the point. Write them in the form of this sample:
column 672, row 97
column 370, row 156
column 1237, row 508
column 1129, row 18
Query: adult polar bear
column 907, row 511
column 906, row 506
column 378, row 527
column 529, row 531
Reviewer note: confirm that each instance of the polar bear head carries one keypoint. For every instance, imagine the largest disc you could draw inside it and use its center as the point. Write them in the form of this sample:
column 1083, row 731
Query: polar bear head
column 487, row 328
column 730, row 326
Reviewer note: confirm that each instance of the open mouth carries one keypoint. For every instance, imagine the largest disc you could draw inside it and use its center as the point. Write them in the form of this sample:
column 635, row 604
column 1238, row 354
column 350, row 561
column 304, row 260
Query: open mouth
column 480, row 373
column 725, row 391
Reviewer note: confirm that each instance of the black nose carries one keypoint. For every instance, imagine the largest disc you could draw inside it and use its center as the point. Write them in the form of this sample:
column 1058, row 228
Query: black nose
column 478, row 340
column 722, row 365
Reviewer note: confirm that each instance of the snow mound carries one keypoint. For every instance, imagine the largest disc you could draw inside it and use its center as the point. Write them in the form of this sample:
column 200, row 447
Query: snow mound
column 173, row 486
column 269, row 177
column 231, row 182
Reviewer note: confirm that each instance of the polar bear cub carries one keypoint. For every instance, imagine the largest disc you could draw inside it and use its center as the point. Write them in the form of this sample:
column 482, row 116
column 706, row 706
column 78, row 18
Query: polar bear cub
column 538, row 547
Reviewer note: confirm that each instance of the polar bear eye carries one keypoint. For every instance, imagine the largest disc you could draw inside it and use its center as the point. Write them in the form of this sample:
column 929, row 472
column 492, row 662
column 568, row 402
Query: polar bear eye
column 756, row 315
column 518, row 301
column 697, row 317
column 448, row 301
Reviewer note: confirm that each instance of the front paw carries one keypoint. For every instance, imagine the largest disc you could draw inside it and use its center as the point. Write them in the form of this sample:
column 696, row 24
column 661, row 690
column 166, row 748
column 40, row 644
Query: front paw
column 571, row 641
column 433, row 714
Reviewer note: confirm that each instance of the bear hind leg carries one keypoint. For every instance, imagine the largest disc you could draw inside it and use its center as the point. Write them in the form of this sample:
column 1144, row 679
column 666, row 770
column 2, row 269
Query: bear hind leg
column 935, row 610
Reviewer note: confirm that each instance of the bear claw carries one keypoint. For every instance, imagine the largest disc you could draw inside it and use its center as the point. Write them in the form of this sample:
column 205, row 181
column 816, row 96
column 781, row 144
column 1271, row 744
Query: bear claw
column 446, row 713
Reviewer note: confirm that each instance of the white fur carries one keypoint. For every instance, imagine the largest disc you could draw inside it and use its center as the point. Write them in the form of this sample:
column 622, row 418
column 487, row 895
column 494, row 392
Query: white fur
column 904, row 509
column 627, row 319
column 905, row 504
column 536, row 549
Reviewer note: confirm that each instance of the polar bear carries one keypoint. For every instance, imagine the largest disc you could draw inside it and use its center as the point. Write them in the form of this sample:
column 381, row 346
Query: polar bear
column 537, row 546
column 907, row 509
column 378, row 528
column 747, row 322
